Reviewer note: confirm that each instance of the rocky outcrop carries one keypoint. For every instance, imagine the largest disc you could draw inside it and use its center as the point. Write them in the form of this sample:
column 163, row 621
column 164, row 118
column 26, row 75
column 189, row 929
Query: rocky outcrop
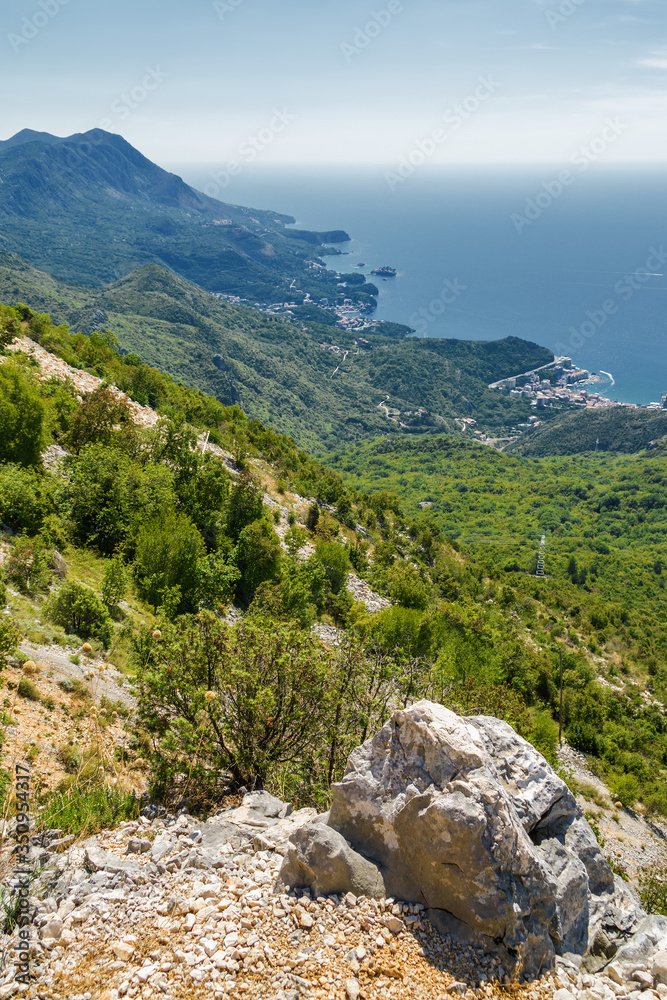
column 58, row 565
column 322, row 859
column 466, row 818
column 170, row 906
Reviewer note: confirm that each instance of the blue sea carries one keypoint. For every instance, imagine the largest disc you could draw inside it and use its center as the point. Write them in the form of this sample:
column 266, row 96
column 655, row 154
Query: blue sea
column 482, row 254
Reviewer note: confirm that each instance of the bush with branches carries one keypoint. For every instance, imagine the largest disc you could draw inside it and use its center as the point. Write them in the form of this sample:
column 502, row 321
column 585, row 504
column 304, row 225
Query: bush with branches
column 78, row 609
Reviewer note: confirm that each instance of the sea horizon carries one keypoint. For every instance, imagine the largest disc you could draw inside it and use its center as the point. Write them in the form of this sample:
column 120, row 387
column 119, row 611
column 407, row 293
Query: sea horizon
column 482, row 254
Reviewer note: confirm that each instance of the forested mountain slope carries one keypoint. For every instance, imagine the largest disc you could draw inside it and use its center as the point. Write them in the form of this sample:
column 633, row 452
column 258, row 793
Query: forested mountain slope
column 278, row 370
column 160, row 536
column 90, row 208
column 616, row 429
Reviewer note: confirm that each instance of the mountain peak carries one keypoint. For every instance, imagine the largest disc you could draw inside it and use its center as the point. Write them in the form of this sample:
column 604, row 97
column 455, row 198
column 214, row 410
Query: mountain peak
column 27, row 135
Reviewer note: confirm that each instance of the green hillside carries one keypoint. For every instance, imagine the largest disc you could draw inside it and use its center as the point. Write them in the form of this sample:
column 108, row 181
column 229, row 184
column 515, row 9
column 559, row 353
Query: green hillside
column 276, row 369
column 470, row 625
column 90, row 208
column 605, row 518
column 617, row 429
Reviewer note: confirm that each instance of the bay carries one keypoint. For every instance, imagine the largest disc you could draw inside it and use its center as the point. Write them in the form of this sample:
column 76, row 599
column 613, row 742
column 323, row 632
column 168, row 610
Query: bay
column 487, row 253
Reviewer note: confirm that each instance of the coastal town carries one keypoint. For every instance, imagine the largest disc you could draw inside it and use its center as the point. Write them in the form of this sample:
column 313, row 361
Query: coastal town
column 351, row 314
column 561, row 381
column 347, row 313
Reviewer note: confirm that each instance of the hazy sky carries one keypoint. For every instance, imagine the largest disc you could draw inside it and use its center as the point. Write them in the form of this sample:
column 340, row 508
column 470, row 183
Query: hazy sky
column 353, row 81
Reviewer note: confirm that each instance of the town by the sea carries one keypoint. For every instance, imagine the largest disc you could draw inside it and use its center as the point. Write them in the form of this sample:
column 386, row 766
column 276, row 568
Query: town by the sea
column 574, row 263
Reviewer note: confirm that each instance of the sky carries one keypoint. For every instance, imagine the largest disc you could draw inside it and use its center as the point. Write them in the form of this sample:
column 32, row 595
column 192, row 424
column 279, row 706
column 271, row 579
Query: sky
column 344, row 81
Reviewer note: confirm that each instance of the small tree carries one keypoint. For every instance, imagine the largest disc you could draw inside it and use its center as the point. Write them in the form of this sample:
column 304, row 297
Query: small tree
column 167, row 556
column 114, row 583
column 10, row 326
column 312, row 517
column 407, row 588
column 26, row 498
column 27, row 566
column 96, row 419
column 257, row 557
column 22, row 417
column 216, row 581
column 336, row 562
column 245, row 505
column 78, row 609
column 241, row 700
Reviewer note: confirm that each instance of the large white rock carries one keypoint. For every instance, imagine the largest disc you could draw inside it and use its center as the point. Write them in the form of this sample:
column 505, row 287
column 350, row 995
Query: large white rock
column 465, row 817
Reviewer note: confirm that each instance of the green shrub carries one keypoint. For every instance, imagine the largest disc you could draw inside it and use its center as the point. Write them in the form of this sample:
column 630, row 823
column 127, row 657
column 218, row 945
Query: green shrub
column 257, row 556
column 70, row 755
column 114, row 706
column 96, row 419
column 166, row 561
column 114, row 583
column 5, row 788
column 9, row 636
column 28, row 565
column 22, row 417
column 312, row 517
column 109, row 495
column 78, row 689
column 336, row 562
column 85, row 812
column 407, row 588
column 655, row 800
column 25, row 498
column 28, row 689
column 653, row 889
column 243, row 701
column 625, row 788
column 395, row 630
column 78, row 609
column 245, row 505
column 10, row 326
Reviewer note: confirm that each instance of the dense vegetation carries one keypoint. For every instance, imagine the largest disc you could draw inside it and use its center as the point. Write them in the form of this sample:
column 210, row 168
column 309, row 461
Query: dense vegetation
column 263, row 703
column 603, row 597
column 277, row 370
column 617, row 429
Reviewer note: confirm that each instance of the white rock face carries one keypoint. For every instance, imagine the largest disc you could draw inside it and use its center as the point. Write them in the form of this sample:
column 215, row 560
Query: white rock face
column 660, row 967
column 465, row 817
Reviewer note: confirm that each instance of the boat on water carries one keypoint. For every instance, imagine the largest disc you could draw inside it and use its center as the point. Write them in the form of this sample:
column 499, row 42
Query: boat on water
column 385, row 272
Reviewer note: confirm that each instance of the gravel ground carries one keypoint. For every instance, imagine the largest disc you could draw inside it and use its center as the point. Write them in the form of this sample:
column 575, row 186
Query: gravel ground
column 109, row 683
column 631, row 840
column 117, row 926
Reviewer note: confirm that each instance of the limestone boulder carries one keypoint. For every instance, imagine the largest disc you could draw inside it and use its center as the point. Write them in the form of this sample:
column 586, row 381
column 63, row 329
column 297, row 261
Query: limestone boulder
column 321, row 859
column 465, row 817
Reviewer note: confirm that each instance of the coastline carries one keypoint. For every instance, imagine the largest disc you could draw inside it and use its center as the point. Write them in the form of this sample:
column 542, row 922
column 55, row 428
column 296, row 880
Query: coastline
column 447, row 225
